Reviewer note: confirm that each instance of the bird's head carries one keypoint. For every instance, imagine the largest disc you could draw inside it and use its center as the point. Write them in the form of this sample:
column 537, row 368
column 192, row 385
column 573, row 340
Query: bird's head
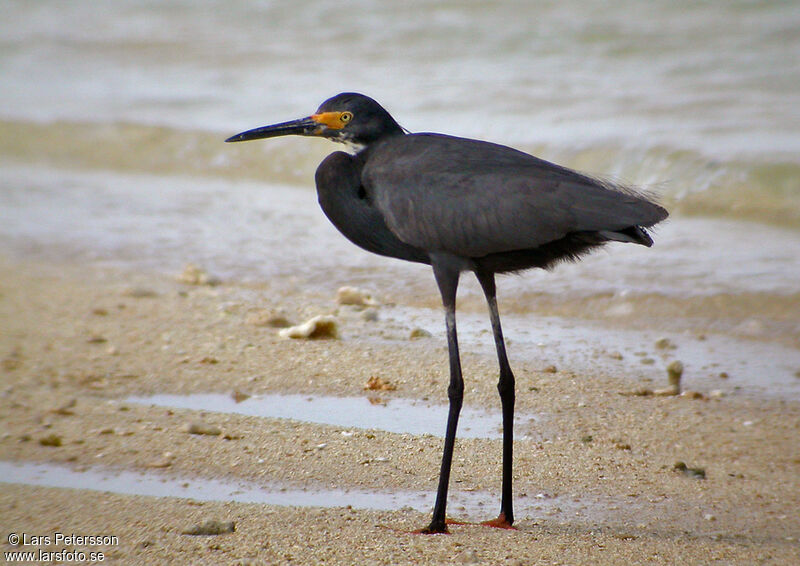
column 349, row 118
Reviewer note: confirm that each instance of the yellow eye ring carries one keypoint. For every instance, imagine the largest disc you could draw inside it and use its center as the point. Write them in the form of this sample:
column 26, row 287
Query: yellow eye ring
column 345, row 117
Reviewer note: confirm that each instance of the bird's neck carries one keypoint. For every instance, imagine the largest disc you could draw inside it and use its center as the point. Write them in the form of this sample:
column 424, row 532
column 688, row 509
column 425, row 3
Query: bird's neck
column 363, row 148
column 352, row 147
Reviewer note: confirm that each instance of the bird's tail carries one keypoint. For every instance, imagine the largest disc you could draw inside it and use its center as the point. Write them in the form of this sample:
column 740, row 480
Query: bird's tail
column 631, row 234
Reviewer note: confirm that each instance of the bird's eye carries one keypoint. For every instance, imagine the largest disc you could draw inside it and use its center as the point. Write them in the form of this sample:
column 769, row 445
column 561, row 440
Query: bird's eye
column 346, row 117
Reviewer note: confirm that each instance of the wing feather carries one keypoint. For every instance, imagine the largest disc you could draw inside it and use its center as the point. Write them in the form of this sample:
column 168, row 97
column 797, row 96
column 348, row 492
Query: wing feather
column 473, row 198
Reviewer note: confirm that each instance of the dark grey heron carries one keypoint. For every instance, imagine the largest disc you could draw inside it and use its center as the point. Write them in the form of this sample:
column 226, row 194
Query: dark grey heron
column 461, row 205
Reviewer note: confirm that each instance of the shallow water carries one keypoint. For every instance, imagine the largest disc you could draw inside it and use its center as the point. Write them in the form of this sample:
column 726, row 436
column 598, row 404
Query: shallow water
column 472, row 505
column 750, row 367
column 254, row 231
column 392, row 415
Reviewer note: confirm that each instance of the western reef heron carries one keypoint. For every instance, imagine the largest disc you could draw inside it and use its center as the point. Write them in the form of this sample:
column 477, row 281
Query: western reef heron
column 461, row 205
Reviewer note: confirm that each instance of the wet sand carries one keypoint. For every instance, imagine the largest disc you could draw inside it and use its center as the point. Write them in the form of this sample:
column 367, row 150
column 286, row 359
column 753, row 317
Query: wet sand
column 77, row 341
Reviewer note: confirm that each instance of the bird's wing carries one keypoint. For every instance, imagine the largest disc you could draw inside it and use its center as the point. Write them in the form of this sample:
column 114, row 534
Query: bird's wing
column 473, row 198
column 338, row 181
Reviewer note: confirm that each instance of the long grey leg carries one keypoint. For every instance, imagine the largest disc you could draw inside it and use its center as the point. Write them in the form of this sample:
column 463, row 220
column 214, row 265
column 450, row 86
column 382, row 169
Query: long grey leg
column 447, row 280
column 505, row 386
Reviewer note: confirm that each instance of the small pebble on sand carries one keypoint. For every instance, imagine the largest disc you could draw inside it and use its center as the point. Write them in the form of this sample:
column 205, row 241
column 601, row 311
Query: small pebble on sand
column 695, row 473
column 674, row 373
column 139, row 293
column 266, row 317
column 66, row 409
column 665, row 344
column 689, row 394
column 163, row 461
column 51, row 440
column 354, row 296
column 375, row 383
column 195, row 275
column 197, row 427
column 12, row 361
column 419, row 333
column 210, row 528
column 370, row 315
column 239, row 396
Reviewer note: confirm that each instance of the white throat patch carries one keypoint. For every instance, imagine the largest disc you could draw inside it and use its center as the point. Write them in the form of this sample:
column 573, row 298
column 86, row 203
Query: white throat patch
column 349, row 145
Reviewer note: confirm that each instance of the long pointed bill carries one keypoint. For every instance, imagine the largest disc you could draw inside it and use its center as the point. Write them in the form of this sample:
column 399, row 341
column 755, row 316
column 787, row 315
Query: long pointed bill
column 302, row 127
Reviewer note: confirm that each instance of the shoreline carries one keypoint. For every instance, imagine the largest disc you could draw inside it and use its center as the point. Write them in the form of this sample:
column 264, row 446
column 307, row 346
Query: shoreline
column 79, row 340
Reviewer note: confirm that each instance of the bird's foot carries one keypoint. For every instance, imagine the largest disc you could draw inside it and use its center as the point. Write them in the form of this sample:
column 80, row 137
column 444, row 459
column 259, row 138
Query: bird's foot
column 499, row 523
column 432, row 530
column 435, row 528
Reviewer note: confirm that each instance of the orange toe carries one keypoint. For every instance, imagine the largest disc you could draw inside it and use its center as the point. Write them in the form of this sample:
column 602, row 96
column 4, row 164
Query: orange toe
column 498, row 523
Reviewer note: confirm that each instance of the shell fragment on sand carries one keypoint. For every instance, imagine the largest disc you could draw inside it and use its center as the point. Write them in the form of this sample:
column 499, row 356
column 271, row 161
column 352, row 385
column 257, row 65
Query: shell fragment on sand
column 354, row 296
column 321, row 326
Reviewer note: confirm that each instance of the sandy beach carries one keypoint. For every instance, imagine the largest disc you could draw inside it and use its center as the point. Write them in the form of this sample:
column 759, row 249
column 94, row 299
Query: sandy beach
column 595, row 472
